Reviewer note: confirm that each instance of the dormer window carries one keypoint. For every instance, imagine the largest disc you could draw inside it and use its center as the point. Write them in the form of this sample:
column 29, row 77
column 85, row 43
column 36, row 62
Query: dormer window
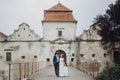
column 59, row 33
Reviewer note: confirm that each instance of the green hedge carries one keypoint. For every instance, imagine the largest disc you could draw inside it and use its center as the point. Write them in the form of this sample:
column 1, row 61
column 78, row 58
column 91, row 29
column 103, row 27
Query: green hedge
column 113, row 73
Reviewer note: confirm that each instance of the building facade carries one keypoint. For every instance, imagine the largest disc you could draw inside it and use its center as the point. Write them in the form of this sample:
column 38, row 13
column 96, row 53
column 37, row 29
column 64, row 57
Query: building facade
column 59, row 28
column 91, row 48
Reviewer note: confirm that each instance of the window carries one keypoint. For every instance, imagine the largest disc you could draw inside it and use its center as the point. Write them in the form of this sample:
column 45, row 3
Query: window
column 93, row 55
column 72, row 59
column 48, row 60
column 23, row 57
column 8, row 56
column 18, row 35
column 29, row 35
column 35, row 56
column 81, row 55
column 73, row 54
column 59, row 33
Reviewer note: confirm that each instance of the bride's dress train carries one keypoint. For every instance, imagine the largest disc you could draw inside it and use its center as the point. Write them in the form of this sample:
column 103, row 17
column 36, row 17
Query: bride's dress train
column 63, row 71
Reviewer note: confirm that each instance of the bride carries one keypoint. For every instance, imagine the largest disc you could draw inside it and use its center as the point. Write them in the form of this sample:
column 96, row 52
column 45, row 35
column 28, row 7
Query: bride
column 63, row 71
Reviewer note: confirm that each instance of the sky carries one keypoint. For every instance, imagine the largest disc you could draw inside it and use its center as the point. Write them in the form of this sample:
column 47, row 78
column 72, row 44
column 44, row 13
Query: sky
column 15, row 12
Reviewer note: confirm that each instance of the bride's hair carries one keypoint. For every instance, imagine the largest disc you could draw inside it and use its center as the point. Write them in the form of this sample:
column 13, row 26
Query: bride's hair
column 62, row 55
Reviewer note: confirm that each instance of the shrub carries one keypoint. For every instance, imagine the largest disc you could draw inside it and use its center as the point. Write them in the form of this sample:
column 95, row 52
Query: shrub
column 113, row 73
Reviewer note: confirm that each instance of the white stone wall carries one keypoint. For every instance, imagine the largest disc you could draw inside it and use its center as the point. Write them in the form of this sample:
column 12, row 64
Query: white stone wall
column 48, row 50
column 23, row 42
column 24, row 33
column 50, row 30
column 27, row 49
column 2, row 37
column 45, row 50
column 89, row 48
column 50, row 33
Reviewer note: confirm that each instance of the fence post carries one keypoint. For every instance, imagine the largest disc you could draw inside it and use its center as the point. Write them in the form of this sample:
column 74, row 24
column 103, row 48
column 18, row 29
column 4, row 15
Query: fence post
column 24, row 70
column 86, row 68
column 106, row 70
column 83, row 67
column 27, row 69
column 98, row 69
column 93, row 69
column 38, row 66
column 32, row 68
column 35, row 67
column 90, row 69
column 9, row 70
column 19, row 71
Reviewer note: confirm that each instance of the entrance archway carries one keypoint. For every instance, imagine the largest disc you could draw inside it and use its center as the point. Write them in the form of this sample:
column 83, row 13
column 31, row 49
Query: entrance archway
column 62, row 52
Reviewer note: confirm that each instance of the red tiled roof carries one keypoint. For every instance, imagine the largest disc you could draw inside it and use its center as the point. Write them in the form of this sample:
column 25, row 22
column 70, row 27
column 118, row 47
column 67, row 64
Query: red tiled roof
column 59, row 7
column 58, row 13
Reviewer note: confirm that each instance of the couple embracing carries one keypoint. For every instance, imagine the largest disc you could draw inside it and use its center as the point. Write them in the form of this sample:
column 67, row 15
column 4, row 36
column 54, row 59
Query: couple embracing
column 60, row 64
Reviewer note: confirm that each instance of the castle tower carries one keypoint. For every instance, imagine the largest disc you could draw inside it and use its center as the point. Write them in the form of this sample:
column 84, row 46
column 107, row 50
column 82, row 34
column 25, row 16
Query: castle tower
column 59, row 28
column 58, row 23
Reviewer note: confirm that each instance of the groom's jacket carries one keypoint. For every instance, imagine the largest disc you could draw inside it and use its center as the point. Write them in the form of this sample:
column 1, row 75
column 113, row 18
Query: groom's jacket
column 55, row 60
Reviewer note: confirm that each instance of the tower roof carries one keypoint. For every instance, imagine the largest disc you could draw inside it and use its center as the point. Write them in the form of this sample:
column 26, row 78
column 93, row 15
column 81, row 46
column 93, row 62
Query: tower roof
column 58, row 13
column 59, row 7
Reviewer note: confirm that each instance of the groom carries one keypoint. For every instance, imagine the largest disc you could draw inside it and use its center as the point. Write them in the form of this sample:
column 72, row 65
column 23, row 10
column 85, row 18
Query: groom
column 56, row 60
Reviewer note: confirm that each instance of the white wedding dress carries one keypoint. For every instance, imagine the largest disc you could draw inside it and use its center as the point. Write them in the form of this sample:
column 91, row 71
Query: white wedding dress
column 63, row 71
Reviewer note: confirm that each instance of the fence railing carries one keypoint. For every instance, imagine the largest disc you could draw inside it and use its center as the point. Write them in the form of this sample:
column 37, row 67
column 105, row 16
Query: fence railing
column 94, row 68
column 19, row 71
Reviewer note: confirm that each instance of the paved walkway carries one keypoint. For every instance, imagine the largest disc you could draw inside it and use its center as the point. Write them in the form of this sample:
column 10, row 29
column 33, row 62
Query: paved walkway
column 48, row 74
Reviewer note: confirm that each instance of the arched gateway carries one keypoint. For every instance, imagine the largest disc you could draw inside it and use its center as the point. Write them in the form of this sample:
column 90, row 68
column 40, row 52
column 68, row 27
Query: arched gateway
column 63, row 52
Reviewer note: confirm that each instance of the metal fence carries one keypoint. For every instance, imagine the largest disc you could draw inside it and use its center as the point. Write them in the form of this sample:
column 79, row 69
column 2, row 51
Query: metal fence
column 94, row 68
column 19, row 71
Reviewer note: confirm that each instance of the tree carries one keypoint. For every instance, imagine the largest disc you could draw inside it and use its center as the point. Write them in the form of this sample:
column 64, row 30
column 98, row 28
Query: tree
column 114, row 18
column 110, row 25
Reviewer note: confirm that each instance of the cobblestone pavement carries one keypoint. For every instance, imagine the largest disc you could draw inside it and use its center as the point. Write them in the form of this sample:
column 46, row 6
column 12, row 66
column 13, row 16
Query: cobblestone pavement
column 48, row 74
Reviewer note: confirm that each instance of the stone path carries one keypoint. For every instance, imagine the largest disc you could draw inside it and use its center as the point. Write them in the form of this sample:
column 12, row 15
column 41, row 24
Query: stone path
column 48, row 74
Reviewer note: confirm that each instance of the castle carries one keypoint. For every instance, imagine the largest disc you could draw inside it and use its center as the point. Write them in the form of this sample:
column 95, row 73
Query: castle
column 59, row 28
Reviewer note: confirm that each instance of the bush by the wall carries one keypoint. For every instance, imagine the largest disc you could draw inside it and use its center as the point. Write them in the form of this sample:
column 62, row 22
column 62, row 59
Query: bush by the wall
column 113, row 73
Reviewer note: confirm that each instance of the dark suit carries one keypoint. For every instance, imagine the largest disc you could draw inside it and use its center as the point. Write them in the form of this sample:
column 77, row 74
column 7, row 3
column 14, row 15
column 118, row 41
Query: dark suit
column 56, row 65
